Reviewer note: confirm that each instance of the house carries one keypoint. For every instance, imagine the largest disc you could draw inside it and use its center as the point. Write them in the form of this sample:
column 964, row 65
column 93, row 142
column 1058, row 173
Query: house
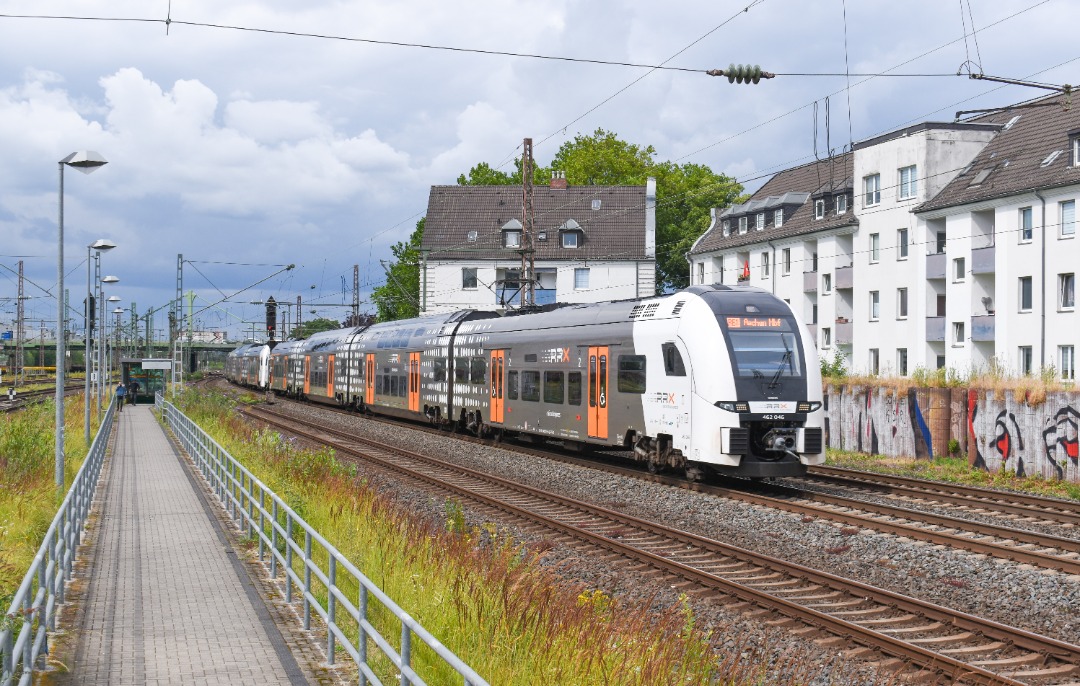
column 590, row 244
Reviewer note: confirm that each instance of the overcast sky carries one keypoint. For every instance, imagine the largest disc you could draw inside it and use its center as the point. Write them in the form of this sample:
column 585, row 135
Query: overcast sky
column 262, row 148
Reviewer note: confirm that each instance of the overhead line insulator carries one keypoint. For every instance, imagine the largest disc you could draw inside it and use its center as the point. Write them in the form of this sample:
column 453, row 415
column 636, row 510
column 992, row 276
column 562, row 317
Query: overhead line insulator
column 742, row 73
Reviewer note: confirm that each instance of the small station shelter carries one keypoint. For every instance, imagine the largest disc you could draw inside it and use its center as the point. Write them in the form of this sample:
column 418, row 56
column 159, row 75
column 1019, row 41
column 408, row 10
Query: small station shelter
column 149, row 373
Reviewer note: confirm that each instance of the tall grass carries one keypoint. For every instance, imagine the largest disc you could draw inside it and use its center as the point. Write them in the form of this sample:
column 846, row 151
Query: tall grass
column 485, row 595
column 28, row 496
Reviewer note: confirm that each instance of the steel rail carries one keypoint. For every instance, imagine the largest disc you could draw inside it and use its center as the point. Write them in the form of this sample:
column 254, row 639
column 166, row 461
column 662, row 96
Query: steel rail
column 909, row 652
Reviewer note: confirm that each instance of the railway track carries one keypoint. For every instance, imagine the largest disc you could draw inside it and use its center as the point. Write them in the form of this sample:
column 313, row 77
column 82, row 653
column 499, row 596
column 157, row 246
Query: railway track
column 23, row 398
column 896, row 630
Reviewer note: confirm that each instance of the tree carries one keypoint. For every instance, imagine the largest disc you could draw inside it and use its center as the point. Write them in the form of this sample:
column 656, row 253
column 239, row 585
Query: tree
column 399, row 297
column 317, row 325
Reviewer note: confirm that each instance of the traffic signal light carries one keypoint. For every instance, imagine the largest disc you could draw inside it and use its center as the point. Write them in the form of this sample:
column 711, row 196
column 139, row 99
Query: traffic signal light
column 271, row 316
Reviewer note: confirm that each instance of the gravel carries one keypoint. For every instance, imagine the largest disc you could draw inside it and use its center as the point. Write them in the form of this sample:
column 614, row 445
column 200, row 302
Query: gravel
column 1006, row 592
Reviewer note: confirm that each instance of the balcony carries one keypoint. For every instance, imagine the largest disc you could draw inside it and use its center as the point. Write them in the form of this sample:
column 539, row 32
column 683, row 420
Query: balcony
column 935, row 329
column 982, row 328
column 935, row 265
column 845, row 278
column 843, row 333
column 982, row 260
column 809, row 282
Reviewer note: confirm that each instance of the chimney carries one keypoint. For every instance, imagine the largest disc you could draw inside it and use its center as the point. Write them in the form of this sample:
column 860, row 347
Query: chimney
column 558, row 180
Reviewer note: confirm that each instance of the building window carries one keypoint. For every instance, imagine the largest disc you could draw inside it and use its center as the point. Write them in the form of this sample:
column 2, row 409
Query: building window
column 512, row 239
column 760, row 221
column 468, row 278
column 841, row 204
column 908, row 183
column 826, row 283
column 1025, row 293
column 959, row 269
column 1024, row 360
column 471, row 236
column 742, row 224
column 901, row 303
column 720, row 268
column 901, row 361
column 813, row 313
column 581, row 278
column 1025, row 224
column 875, row 305
column 764, row 264
column 826, row 337
column 785, row 255
column 813, row 262
column 570, row 239
column 939, row 242
column 1066, row 291
column 875, row 247
column 725, row 226
column 958, row 333
column 1076, row 151
column 941, row 362
column 778, row 218
column 1067, row 362
column 1068, row 218
column 871, row 190
column 874, row 362
column 819, row 209
column 701, row 272
column 901, row 244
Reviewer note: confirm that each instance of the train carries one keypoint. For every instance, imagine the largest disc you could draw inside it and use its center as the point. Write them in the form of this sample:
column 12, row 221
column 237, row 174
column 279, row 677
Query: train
column 712, row 379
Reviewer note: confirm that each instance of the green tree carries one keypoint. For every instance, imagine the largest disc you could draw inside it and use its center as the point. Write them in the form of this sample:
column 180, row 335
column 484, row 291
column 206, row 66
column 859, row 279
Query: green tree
column 317, row 325
column 399, row 297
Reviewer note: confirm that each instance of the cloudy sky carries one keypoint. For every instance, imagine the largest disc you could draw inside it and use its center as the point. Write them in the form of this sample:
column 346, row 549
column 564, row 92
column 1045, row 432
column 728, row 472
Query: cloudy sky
column 257, row 146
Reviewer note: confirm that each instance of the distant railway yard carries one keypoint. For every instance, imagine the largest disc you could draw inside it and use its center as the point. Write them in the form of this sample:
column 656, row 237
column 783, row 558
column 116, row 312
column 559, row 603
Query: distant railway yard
column 869, row 578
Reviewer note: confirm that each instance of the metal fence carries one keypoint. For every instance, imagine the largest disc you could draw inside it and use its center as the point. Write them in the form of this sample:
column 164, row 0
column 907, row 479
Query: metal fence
column 262, row 513
column 33, row 609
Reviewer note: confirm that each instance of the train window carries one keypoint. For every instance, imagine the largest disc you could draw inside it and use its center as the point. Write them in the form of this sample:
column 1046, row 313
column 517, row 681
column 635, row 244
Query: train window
column 553, row 387
column 573, row 388
column 380, row 381
column 478, row 370
column 592, row 381
column 461, row 369
column 403, row 386
column 530, row 386
column 631, row 373
column 511, row 385
column 440, row 369
column 765, row 353
column 673, row 364
column 393, row 385
column 530, row 357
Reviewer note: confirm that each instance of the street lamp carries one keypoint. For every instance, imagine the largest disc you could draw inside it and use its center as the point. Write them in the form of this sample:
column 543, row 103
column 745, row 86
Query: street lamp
column 105, row 338
column 97, row 247
column 101, row 340
column 85, row 161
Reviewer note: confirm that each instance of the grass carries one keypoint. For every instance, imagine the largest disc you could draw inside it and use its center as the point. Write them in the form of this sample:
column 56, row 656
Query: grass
column 488, row 597
column 953, row 470
column 28, row 499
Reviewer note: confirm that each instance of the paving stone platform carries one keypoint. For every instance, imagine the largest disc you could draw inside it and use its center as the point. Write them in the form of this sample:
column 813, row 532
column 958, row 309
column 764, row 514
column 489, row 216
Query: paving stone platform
column 166, row 599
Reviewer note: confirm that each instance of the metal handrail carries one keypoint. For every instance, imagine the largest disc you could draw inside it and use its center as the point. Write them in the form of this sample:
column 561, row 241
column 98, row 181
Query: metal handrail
column 32, row 612
column 245, row 498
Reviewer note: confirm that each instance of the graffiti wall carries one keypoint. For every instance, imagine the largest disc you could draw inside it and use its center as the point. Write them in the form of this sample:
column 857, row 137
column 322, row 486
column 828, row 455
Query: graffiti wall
column 995, row 433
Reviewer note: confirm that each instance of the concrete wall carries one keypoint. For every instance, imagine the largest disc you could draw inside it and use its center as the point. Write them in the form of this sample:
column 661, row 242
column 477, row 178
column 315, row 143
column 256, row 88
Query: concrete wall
column 996, row 434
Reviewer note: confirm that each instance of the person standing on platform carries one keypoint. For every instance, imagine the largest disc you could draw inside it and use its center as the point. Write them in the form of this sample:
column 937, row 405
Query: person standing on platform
column 133, row 392
column 121, row 391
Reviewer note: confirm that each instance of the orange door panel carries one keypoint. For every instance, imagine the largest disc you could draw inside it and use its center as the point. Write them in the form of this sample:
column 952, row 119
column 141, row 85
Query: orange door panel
column 307, row 374
column 414, row 382
column 598, row 392
column 498, row 362
column 369, row 380
column 330, row 376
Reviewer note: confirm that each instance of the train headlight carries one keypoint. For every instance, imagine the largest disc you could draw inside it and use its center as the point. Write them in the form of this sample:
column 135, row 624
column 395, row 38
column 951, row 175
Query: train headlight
column 809, row 406
column 739, row 406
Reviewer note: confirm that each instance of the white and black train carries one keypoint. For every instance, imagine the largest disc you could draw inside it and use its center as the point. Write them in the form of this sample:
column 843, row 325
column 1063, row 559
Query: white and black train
column 713, row 378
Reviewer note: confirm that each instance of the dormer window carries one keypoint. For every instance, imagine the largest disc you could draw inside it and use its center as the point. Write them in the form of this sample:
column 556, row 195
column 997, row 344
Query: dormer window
column 778, row 218
column 1076, row 151
column 570, row 239
column 511, row 239
column 760, row 221
column 570, row 234
column 1050, row 158
column 725, row 226
column 819, row 209
column 471, row 236
column 742, row 224
column 841, row 204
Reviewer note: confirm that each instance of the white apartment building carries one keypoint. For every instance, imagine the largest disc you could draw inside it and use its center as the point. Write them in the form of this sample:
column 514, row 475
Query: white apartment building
column 937, row 245
column 591, row 243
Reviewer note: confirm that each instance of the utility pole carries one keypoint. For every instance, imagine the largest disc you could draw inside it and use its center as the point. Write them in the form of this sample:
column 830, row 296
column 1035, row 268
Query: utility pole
column 528, row 262
column 355, row 295
column 175, row 319
column 299, row 317
column 20, row 331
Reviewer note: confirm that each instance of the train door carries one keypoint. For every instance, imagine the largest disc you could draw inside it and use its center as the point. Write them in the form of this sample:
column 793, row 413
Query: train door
column 369, row 380
column 307, row 374
column 498, row 362
column 598, row 392
column 414, row 382
column 329, row 376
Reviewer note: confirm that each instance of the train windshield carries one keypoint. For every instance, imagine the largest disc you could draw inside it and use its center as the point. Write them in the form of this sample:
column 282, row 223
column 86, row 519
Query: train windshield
column 766, row 353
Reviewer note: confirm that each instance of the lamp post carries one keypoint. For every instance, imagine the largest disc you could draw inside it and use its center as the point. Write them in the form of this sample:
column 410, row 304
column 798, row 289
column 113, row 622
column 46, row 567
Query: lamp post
column 105, row 347
column 117, row 331
column 85, row 161
column 101, row 340
column 97, row 247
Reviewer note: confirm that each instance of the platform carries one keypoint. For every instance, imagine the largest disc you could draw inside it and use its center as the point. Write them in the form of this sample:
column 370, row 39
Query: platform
column 166, row 599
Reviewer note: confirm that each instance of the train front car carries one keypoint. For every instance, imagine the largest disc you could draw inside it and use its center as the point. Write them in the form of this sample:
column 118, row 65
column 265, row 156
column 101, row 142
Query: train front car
column 248, row 365
column 755, row 394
